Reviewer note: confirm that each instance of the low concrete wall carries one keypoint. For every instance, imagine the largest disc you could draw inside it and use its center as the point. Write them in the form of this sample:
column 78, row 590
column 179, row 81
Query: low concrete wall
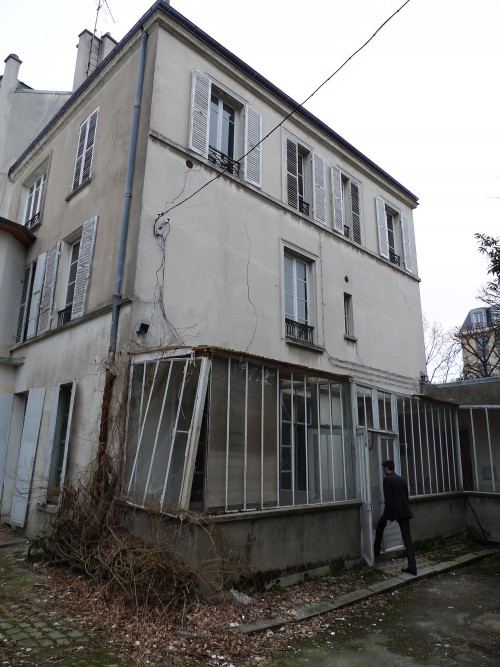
column 270, row 542
column 482, row 511
column 438, row 517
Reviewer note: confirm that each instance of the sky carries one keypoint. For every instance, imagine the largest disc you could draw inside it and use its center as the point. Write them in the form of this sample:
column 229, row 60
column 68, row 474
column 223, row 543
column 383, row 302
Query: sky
column 421, row 100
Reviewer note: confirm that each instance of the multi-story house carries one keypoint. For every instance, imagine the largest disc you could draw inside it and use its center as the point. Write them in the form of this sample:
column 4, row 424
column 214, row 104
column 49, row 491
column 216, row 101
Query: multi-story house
column 480, row 340
column 224, row 292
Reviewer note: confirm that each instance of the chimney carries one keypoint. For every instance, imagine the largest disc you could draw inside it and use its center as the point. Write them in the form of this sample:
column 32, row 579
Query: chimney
column 87, row 57
column 11, row 72
column 107, row 45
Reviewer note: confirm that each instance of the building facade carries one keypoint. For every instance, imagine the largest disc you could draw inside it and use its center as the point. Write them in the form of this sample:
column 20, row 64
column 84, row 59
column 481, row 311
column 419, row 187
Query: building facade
column 250, row 281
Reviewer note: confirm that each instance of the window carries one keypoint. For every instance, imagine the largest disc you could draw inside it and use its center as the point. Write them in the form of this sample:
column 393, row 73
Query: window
column 478, row 317
column 304, row 179
column 222, row 127
column 35, row 312
column 348, row 317
column 297, row 299
column 35, row 201
column 85, row 150
column 393, row 235
column 78, row 256
column 221, row 135
column 346, row 205
column 56, row 448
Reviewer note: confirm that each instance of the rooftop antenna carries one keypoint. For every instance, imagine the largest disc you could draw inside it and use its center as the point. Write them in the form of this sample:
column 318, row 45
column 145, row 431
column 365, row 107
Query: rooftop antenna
column 95, row 43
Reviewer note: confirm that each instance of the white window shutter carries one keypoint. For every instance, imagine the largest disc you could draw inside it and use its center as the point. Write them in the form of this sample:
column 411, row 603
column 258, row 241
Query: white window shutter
column 405, row 231
column 291, row 165
column 200, row 113
column 338, row 204
column 319, row 209
column 79, row 156
column 83, row 268
column 89, row 146
column 26, row 460
column 49, row 286
column 36, row 295
column 253, row 136
column 383, row 241
column 355, row 213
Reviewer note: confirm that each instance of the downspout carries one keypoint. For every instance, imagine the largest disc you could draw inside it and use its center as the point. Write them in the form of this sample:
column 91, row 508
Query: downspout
column 115, row 304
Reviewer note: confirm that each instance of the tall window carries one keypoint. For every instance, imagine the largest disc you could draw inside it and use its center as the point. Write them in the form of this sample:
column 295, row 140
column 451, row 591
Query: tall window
column 297, row 299
column 221, row 134
column 60, row 443
column 393, row 235
column 348, row 317
column 73, row 265
column 297, row 178
column 34, row 201
column 85, row 150
column 346, row 205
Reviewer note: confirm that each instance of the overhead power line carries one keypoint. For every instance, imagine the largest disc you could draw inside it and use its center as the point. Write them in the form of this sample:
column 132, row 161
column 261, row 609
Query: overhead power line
column 291, row 113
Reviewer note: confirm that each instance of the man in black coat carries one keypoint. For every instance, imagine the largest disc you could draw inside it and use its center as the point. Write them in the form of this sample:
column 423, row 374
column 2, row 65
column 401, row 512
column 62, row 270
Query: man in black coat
column 396, row 508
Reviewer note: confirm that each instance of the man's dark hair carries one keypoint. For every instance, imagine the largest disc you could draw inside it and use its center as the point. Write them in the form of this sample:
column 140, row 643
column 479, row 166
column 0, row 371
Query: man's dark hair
column 388, row 464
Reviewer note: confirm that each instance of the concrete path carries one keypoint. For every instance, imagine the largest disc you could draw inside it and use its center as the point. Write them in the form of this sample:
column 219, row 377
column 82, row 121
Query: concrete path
column 393, row 582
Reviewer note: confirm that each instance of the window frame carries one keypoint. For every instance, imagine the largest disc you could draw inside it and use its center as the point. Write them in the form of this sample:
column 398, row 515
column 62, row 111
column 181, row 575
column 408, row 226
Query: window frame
column 348, row 317
column 295, row 330
column 401, row 235
column 346, row 220
column 87, row 135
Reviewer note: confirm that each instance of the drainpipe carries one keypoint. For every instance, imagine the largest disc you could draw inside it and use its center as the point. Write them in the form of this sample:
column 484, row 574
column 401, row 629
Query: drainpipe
column 115, row 309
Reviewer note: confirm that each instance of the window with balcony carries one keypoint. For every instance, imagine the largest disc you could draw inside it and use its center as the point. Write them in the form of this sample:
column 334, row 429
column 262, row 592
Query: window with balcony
column 34, row 201
column 225, row 130
column 346, row 205
column 304, row 185
column 77, row 262
column 393, row 235
column 298, row 310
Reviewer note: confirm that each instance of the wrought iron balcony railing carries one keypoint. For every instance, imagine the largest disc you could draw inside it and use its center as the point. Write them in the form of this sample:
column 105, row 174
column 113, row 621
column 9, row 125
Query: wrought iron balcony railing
column 304, row 207
column 395, row 259
column 224, row 161
column 33, row 221
column 347, row 231
column 64, row 316
column 298, row 331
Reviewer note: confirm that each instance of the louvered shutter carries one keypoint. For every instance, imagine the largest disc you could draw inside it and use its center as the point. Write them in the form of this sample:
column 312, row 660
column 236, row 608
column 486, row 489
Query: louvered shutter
column 85, row 150
column 83, row 268
column 383, row 241
column 23, row 309
column 405, row 231
column 26, row 460
column 319, row 210
column 338, row 205
column 200, row 113
column 36, row 293
column 49, row 285
column 291, row 160
column 89, row 146
column 6, row 403
column 355, row 213
column 79, row 156
column 253, row 136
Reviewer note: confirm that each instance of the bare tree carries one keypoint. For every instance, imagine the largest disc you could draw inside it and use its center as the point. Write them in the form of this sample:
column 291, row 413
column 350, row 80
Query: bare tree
column 442, row 353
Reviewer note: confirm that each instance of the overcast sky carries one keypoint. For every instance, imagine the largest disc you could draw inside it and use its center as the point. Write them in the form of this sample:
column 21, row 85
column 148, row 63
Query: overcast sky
column 421, row 100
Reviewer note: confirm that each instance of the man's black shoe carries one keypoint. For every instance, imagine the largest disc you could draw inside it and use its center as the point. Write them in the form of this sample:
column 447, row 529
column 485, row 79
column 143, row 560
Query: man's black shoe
column 407, row 570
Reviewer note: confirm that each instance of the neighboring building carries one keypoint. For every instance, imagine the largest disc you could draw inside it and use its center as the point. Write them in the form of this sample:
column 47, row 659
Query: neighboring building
column 265, row 331
column 480, row 340
column 24, row 112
